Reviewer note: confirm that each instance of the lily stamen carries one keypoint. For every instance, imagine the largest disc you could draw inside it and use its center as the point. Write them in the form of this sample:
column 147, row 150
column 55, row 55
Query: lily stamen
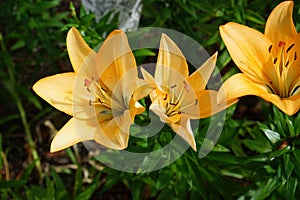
column 290, row 47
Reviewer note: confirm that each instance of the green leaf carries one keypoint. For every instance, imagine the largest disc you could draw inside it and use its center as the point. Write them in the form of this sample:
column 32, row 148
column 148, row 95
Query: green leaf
column 266, row 188
column 280, row 152
column 291, row 186
column 6, row 119
column 32, row 98
column 78, row 181
column 19, row 44
column 12, row 184
column 28, row 170
column 290, row 126
column 62, row 192
column 143, row 52
column 89, row 191
column 272, row 135
column 288, row 166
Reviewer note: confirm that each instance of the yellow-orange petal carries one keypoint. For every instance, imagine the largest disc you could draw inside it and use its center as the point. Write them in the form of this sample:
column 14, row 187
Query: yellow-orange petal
column 160, row 111
column 115, row 60
column 200, row 77
column 249, row 50
column 280, row 25
column 289, row 105
column 240, row 85
column 171, row 66
column 77, row 48
column 208, row 105
column 143, row 89
column 71, row 133
column 183, row 129
column 114, row 133
column 57, row 90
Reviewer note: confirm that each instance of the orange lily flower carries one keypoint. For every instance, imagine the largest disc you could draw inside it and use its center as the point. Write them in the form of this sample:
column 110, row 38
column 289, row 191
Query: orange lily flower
column 179, row 97
column 100, row 94
column 269, row 62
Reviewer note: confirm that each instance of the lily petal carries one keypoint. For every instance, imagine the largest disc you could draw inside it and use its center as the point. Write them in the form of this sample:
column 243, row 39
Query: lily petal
column 114, row 133
column 171, row 67
column 144, row 88
column 249, row 50
column 69, row 135
column 198, row 80
column 57, row 90
column 244, row 86
column 183, row 129
column 115, row 59
column 77, row 48
column 207, row 105
column 280, row 25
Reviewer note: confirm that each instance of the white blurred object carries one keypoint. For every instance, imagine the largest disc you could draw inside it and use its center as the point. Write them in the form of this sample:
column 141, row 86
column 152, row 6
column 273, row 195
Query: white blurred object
column 129, row 11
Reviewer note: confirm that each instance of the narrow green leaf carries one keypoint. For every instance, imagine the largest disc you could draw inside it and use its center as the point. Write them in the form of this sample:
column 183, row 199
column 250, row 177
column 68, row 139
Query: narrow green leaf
column 272, row 135
column 89, row 190
column 78, row 181
column 62, row 192
column 12, row 184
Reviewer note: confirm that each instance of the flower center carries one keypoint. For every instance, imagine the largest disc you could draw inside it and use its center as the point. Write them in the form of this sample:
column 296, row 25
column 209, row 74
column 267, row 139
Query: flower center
column 102, row 96
column 284, row 57
column 175, row 103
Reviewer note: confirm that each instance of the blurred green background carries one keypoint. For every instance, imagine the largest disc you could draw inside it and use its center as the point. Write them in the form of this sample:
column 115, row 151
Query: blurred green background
column 257, row 156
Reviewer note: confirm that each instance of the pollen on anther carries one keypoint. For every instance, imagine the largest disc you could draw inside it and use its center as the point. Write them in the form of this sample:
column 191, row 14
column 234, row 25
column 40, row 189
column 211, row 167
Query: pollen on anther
column 165, row 97
column 104, row 89
column 173, row 86
column 270, row 48
column 287, row 63
column 290, row 47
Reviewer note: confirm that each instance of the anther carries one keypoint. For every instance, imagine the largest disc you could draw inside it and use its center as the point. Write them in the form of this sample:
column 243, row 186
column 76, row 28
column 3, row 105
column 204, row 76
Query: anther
column 290, row 47
column 173, row 104
column 270, row 48
column 196, row 102
column 275, row 60
column 165, row 97
column 295, row 56
column 287, row 63
column 90, row 102
column 173, row 86
column 88, row 89
column 104, row 89
column 99, row 100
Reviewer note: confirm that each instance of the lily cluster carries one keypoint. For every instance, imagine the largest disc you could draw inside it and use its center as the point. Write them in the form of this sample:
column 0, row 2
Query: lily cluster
column 102, row 94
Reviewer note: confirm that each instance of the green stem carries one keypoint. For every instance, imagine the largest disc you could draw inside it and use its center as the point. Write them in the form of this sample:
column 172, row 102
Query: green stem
column 8, row 62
